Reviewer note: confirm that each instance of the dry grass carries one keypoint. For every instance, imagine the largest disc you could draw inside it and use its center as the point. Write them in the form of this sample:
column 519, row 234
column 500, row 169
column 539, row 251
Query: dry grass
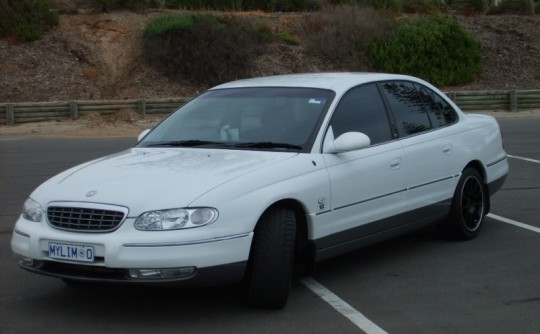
column 341, row 34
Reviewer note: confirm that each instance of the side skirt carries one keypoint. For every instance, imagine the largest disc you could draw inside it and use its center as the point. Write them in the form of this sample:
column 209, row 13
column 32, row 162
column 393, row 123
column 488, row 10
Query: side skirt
column 384, row 229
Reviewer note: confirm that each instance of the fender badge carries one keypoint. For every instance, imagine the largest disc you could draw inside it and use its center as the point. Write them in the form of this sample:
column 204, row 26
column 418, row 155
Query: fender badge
column 91, row 193
column 322, row 202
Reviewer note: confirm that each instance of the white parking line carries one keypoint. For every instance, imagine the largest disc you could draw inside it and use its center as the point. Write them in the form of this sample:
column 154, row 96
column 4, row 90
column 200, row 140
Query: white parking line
column 522, row 158
column 513, row 222
column 342, row 307
column 358, row 318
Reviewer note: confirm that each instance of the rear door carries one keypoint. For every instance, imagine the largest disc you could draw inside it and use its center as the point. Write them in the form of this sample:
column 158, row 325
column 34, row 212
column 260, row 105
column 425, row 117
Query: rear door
column 424, row 122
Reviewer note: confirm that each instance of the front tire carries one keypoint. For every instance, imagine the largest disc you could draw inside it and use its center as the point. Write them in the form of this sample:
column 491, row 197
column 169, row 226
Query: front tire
column 468, row 207
column 271, row 259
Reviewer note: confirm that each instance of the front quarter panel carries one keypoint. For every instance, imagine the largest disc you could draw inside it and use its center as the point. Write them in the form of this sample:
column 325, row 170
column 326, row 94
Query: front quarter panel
column 241, row 202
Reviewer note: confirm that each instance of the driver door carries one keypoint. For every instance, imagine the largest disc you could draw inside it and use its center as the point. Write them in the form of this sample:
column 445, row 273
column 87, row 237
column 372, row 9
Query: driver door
column 367, row 185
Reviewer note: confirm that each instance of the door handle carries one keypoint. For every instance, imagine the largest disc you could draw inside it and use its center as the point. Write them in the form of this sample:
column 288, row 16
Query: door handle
column 447, row 148
column 395, row 164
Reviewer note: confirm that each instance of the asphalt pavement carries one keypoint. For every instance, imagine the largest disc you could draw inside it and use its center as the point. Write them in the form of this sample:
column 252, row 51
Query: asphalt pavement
column 417, row 283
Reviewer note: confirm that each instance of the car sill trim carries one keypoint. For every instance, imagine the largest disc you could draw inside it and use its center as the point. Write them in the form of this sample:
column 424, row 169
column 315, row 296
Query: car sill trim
column 433, row 182
column 370, row 199
column 389, row 194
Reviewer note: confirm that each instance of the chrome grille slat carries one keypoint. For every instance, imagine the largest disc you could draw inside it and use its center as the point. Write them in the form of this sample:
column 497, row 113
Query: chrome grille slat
column 84, row 219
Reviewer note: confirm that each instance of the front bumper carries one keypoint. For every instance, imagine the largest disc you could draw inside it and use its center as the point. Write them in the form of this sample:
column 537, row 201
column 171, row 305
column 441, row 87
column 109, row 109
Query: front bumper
column 496, row 174
column 208, row 276
column 210, row 259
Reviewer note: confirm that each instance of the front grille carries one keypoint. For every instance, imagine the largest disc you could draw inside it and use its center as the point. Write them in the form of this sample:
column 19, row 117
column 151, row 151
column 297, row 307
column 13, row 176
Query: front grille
column 84, row 219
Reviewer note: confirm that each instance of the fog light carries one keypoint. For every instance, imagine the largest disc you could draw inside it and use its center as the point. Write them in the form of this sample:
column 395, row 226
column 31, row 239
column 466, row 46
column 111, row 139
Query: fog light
column 161, row 273
column 144, row 273
column 25, row 261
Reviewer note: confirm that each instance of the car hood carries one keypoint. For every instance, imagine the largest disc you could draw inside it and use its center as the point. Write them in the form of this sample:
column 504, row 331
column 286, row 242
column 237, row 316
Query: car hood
column 145, row 179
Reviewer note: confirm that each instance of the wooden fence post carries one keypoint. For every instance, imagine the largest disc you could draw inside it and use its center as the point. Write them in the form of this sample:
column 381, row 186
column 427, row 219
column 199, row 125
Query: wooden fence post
column 142, row 107
column 10, row 114
column 73, row 110
column 513, row 100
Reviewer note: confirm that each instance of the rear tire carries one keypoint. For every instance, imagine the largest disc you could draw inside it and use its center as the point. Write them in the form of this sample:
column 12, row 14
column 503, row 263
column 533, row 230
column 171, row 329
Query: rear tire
column 271, row 259
column 468, row 207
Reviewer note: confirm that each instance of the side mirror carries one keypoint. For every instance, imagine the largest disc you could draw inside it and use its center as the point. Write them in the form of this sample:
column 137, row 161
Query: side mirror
column 349, row 141
column 142, row 135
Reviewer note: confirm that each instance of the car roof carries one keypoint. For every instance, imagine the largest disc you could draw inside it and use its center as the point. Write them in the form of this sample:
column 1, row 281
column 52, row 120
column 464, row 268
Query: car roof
column 336, row 81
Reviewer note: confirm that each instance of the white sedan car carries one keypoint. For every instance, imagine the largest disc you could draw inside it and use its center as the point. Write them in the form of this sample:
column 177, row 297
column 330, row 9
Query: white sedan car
column 257, row 177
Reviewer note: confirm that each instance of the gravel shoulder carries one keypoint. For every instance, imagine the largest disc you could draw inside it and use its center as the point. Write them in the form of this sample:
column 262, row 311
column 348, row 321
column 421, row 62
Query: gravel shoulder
column 118, row 124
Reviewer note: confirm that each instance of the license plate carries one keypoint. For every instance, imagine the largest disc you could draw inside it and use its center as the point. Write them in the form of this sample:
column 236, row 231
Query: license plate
column 70, row 252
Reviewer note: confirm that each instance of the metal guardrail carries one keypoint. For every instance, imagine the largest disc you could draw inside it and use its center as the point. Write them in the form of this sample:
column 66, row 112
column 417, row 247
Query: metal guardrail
column 13, row 113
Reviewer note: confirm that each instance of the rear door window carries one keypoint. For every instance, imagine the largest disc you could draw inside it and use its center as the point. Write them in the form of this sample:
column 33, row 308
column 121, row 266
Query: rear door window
column 442, row 113
column 409, row 107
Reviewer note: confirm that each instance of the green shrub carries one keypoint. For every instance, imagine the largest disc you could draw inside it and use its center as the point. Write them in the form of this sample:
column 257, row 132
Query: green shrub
column 288, row 38
column 26, row 20
column 222, row 5
column 470, row 6
column 204, row 48
column 435, row 48
column 264, row 5
column 340, row 35
column 137, row 5
column 141, row 5
column 425, row 6
column 207, row 4
column 389, row 5
column 168, row 23
column 107, row 5
column 342, row 2
column 392, row 5
column 525, row 7
column 293, row 5
column 280, row 5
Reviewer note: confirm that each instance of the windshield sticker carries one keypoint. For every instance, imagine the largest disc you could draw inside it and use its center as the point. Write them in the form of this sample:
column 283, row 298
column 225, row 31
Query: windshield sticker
column 315, row 101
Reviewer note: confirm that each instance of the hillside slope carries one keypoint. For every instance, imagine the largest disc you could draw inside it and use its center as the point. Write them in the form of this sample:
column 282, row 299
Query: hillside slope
column 98, row 56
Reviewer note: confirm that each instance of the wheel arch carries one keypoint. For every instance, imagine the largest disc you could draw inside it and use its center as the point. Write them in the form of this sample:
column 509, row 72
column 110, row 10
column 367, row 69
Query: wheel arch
column 304, row 248
column 479, row 167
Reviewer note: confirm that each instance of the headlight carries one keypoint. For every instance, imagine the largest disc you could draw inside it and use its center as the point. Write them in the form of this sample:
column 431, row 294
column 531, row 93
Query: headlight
column 32, row 210
column 175, row 219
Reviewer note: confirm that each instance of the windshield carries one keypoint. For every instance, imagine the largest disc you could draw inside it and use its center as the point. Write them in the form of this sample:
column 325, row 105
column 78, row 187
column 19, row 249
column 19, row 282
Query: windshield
column 245, row 118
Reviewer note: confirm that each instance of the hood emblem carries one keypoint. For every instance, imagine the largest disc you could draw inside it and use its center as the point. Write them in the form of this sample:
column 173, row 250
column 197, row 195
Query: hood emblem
column 91, row 193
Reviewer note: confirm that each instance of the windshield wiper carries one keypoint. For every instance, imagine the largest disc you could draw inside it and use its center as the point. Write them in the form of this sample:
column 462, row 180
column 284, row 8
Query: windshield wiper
column 186, row 143
column 269, row 144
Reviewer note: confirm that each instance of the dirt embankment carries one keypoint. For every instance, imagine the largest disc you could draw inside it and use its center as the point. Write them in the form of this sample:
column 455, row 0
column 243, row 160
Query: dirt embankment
column 99, row 56
column 510, row 51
